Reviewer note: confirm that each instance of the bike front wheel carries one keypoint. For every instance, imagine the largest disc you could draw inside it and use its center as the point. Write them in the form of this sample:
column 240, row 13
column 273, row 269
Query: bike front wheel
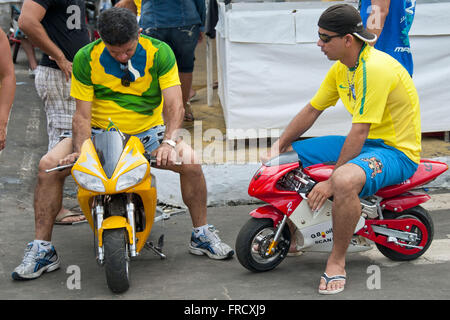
column 116, row 259
column 253, row 242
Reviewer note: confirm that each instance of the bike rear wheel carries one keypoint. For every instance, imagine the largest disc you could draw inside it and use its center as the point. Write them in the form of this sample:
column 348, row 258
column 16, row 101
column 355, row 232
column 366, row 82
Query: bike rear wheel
column 417, row 213
column 253, row 241
column 116, row 259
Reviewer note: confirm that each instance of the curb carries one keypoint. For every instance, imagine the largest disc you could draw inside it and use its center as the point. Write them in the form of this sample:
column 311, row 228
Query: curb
column 227, row 184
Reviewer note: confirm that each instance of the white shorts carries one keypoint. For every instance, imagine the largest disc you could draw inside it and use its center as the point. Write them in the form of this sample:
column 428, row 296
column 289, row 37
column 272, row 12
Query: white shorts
column 54, row 90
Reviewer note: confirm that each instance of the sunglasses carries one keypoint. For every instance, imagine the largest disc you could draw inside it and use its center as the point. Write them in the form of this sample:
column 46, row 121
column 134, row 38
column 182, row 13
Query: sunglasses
column 327, row 38
column 126, row 78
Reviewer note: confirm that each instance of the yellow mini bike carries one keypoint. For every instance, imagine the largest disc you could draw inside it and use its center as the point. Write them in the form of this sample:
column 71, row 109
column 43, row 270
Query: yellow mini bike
column 117, row 194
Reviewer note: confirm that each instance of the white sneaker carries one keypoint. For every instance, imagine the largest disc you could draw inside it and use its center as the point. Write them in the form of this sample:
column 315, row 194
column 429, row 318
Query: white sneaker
column 36, row 260
column 210, row 244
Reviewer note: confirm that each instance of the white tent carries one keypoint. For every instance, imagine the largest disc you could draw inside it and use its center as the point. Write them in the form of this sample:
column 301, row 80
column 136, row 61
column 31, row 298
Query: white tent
column 269, row 66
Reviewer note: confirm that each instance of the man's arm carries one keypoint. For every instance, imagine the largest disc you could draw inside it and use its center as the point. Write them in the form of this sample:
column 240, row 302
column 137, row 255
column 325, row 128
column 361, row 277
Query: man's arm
column 30, row 23
column 377, row 17
column 351, row 149
column 129, row 4
column 81, row 129
column 296, row 128
column 353, row 143
column 81, row 123
column 7, row 86
column 173, row 113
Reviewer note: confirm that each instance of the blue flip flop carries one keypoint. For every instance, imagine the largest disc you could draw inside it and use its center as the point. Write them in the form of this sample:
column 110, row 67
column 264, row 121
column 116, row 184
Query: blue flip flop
column 329, row 279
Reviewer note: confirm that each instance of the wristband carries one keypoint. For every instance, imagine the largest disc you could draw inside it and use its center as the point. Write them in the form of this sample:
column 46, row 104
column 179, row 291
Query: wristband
column 170, row 142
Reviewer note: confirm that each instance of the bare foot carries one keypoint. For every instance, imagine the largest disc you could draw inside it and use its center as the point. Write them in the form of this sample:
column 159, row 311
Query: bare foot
column 66, row 216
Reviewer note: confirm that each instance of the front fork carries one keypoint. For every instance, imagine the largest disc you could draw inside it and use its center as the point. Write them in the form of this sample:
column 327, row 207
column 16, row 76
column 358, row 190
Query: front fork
column 98, row 214
column 130, row 215
column 274, row 243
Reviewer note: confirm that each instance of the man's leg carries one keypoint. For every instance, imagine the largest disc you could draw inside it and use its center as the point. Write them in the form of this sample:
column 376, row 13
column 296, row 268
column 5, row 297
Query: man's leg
column 186, row 84
column 347, row 182
column 49, row 190
column 29, row 51
column 204, row 239
column 40, row 255
column 192, row 182
column 193, row 191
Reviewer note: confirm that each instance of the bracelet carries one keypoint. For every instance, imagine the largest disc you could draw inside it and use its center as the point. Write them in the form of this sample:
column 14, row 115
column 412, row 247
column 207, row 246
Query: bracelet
column 170, row 142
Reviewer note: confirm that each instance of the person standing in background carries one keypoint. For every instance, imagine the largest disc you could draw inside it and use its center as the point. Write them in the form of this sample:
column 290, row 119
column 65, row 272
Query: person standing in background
column 179, row 23
column 59, row 29
column 391, row 21
column 7, row 86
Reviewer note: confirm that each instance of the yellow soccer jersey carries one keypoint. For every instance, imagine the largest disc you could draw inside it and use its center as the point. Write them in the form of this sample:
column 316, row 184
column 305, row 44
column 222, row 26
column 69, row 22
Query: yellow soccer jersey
column 378, row 91
column 96, row 77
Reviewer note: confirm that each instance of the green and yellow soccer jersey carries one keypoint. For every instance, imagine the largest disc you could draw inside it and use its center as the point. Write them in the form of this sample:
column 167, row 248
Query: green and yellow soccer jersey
column 380, row 92
column 96, row 77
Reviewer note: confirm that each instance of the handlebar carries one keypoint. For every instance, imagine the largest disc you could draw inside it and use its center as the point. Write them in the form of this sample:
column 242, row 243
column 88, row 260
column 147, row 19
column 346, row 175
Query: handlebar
column 60, row 168
column 151, row 160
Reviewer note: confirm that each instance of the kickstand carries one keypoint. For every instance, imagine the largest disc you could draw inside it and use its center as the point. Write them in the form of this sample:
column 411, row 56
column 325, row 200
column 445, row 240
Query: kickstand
column 157, row 249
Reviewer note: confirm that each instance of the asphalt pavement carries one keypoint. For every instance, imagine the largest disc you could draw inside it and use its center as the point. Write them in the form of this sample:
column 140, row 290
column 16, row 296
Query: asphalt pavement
column 183, row 277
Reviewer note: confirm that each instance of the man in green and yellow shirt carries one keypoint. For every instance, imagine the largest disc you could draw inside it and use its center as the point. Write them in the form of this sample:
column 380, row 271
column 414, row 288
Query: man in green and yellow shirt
column 132, row 81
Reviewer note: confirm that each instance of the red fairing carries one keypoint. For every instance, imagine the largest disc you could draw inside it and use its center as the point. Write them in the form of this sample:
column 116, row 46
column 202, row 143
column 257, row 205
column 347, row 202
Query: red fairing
column 404, row 201
column 319, row 172
column 263, row 187
column 427, row 171
column 268, row 212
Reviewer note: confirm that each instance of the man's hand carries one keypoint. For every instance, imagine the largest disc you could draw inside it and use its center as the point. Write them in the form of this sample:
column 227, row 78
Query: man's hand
column 65, row 66
column 165, row 155
column 319, row 194
column 69, row 159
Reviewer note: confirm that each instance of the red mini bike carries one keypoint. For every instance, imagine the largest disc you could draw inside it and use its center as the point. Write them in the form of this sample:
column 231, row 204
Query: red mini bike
column 392, row 218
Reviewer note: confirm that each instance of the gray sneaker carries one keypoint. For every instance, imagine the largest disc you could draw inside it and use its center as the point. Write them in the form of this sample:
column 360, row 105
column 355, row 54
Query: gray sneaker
column 36, row 260
column 210, row 244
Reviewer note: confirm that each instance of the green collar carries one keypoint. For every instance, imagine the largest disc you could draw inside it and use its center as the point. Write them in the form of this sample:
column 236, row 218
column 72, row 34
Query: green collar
column 359, row 56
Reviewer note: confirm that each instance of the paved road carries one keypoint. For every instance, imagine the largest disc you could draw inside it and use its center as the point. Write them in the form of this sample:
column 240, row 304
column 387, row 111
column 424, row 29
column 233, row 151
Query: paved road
column 183, row 276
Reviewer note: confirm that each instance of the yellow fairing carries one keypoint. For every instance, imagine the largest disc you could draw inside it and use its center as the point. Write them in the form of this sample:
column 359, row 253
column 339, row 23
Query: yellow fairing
column 115, row 222
column 131, row 158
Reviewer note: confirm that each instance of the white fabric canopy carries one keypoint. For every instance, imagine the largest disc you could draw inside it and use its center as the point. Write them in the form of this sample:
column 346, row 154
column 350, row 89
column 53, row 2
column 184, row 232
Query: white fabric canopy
column 270, row 66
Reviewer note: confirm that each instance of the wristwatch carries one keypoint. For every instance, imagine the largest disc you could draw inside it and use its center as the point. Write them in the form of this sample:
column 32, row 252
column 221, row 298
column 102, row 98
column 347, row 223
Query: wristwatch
column 170, row 142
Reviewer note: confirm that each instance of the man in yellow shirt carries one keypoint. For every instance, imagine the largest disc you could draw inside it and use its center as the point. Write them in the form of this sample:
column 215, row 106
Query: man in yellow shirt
column 384, row 142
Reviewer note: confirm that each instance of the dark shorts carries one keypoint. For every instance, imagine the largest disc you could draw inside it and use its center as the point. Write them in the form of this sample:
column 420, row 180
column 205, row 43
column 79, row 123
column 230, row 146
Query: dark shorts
column 182, row 41
column 383, row 164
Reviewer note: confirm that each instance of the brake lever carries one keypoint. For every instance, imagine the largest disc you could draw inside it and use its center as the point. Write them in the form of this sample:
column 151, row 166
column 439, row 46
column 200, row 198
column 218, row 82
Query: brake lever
column 60, row 168
column 63, row 167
